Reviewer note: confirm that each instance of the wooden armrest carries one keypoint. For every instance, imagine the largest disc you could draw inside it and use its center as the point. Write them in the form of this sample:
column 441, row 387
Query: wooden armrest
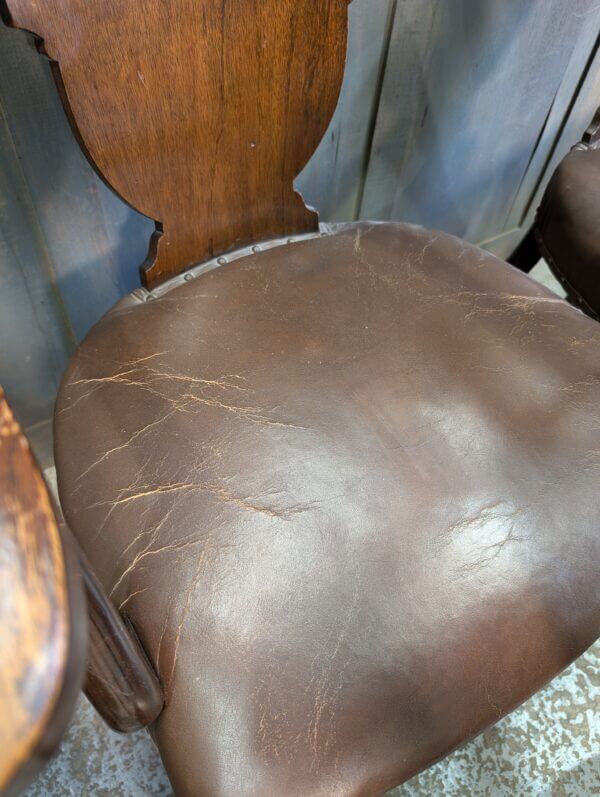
column 45, row 637
column 42, row 615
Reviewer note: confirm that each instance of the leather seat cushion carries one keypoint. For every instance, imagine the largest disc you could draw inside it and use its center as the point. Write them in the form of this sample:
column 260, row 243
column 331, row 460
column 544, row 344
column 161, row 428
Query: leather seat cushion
column 346, row 490
column 568, row 226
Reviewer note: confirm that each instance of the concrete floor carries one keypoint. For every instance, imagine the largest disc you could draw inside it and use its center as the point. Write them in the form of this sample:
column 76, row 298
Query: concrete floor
column 550, row 747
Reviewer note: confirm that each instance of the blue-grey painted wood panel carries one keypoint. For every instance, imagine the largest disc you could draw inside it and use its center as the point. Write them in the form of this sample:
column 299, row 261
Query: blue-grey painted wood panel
column 34, row 338
column 333, row 179
column 469, row 90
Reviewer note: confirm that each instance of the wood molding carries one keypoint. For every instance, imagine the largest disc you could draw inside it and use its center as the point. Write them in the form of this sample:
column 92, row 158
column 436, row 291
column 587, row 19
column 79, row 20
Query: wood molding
column 198, row 113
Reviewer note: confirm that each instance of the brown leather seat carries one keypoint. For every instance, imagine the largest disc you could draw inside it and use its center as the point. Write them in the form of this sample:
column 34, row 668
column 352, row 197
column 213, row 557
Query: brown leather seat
column 568, row 226
column 346, row 490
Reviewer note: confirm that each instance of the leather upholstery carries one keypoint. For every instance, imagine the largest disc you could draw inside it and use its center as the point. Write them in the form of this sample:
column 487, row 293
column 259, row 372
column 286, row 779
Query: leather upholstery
column 346, row 490
column 568, row 226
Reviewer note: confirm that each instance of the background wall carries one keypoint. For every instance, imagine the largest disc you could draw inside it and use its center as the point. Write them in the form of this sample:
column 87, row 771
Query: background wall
column 453, row 114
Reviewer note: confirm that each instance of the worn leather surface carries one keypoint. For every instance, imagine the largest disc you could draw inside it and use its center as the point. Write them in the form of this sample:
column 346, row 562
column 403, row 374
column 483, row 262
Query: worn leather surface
column 347, row 492
column 568, row 226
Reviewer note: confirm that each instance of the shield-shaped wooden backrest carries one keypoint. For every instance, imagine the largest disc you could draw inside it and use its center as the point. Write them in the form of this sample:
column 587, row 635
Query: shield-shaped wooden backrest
column 198, row 113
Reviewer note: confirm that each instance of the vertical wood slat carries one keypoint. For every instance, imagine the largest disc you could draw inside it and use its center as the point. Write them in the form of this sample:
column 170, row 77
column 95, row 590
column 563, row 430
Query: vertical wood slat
column 574, row 109
column 468, row 89
column 575, row 104
column 333, row 179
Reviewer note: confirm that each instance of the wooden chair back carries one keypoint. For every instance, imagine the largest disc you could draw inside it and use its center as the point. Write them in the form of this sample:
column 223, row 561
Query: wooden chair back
column 198, row 113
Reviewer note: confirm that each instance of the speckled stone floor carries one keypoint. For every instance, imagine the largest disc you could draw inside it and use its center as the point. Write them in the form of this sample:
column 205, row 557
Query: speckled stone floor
column 550, row 747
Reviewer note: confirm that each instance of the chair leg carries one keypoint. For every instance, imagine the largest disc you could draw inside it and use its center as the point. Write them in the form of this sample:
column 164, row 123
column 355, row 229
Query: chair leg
column 120, row 682
column 527, row 254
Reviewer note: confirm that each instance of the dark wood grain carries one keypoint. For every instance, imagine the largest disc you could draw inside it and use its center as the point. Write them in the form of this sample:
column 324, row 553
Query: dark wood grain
column 42, row 647
column 199, row 113
column 44, row 635
column 120, row 682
